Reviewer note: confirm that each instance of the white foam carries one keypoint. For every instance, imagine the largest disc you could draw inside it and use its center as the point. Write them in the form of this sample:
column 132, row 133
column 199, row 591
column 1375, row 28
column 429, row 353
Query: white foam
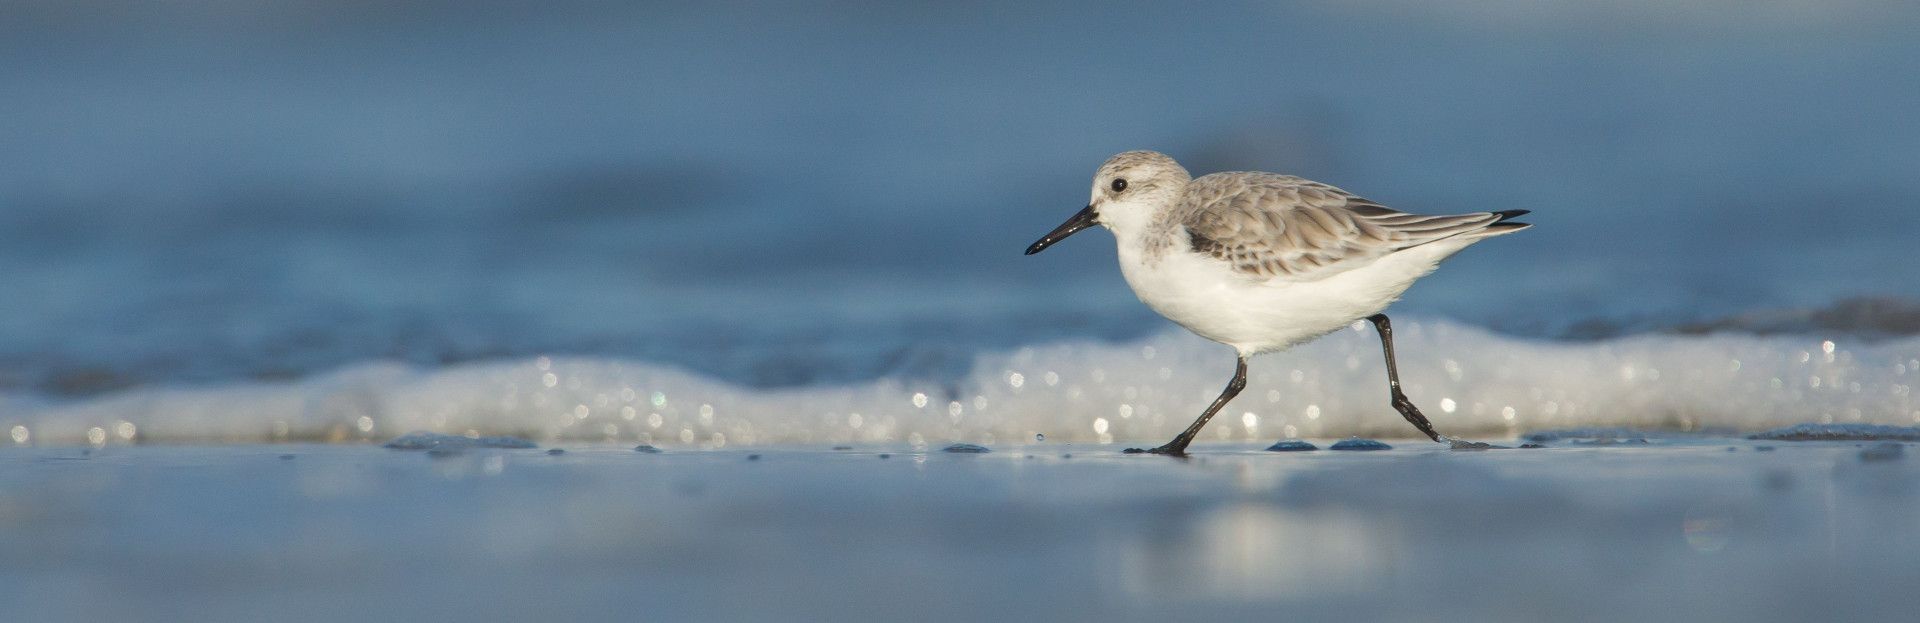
column 1470, row 383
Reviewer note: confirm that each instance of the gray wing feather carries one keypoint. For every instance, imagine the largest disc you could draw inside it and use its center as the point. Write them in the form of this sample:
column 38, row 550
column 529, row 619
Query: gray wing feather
column 1271, row 226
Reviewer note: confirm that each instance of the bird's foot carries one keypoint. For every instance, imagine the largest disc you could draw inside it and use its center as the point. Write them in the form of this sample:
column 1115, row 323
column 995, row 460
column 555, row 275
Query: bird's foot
column 1462, row 444
column 1168, row 450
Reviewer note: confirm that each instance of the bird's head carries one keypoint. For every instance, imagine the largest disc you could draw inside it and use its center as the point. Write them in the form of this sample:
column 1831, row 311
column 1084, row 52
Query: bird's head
column 1127, row 191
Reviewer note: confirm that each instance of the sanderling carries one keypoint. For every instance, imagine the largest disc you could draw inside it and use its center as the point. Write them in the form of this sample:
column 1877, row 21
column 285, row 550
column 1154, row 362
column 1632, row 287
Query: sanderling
column 1262, row 262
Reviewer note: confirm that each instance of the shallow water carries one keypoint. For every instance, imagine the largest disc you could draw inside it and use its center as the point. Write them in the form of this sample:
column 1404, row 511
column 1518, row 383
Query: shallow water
column 1674, row 529
column 242, row 243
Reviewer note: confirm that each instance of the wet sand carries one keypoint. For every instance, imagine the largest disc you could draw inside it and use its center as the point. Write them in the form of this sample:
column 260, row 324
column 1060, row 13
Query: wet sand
column 1696, row 528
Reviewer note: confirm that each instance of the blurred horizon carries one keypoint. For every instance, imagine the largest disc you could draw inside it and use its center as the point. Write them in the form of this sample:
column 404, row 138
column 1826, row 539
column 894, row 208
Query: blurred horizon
column 796, row 194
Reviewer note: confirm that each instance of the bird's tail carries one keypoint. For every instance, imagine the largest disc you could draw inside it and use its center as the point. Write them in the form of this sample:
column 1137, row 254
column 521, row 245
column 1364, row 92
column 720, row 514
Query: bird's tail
column 1504, row 225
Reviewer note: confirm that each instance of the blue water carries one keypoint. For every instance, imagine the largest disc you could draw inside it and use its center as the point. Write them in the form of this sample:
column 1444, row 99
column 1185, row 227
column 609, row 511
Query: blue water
column 811, row 195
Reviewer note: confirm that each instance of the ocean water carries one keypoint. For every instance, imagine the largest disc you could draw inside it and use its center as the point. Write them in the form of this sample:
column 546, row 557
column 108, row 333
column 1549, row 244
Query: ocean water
column 803, row 223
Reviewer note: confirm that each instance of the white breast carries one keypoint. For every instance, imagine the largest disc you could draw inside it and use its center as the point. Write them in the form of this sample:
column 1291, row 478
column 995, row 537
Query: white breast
column 1208, row 297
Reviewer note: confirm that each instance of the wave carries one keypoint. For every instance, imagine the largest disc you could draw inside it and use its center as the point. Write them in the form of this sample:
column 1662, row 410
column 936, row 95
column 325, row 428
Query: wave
column 1470, row 382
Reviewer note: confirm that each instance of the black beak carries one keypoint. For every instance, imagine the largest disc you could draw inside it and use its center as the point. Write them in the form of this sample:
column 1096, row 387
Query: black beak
column 1081, row 220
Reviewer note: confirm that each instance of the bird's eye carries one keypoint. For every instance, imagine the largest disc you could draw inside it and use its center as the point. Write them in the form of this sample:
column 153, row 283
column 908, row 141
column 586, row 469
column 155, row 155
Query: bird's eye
column 1119, row 184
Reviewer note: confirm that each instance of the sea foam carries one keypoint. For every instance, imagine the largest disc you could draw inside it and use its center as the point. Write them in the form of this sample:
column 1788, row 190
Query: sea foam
column 1470, row 382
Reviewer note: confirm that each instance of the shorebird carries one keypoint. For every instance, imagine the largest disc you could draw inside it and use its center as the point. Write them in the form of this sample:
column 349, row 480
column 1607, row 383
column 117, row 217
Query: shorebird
column 1262, row 262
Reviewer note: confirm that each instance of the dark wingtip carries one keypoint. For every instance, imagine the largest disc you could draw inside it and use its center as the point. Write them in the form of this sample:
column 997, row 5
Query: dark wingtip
column 1507, row 214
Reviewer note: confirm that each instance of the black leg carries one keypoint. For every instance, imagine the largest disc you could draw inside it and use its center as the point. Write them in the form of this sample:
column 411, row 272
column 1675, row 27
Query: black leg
column 1178, row 447
column 1400, row 401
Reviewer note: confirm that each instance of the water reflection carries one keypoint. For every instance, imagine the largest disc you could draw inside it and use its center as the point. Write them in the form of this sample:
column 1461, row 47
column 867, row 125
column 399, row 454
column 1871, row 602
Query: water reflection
column 1706, row 528
column 1253, row 552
